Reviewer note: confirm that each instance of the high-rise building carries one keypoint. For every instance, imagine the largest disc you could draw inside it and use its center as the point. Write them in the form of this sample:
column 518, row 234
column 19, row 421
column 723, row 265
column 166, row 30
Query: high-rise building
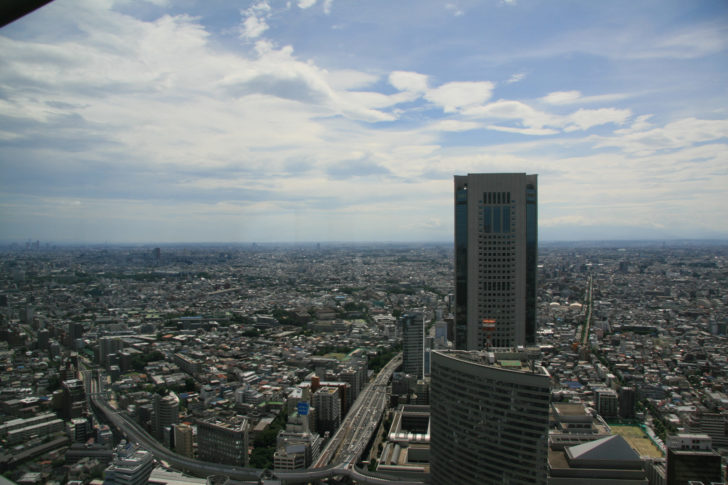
column 690, row 458
column 107, row 347
column 627, row 398
column 606, row 401
column 74, row 398
column 489, row 418
column 413, row 339
column 327, row 402
column 183, row 440
column 166, row 413
column 496, row 239
column 225, row 443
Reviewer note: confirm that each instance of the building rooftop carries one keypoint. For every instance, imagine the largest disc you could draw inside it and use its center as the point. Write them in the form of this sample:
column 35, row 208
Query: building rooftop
column 507, row 359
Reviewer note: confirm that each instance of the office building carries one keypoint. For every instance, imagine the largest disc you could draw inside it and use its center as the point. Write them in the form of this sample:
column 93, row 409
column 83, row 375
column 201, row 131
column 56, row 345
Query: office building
column 165, row 414
column 131, row 466
column 413, row 341
column 74, row 398
column 225, row 443
column 183, row 440
column 327, row 402
column 495, row 260
column 295, row 450
column 490, row 418
column 627, row 399
column 690, row 458
column 607, row 402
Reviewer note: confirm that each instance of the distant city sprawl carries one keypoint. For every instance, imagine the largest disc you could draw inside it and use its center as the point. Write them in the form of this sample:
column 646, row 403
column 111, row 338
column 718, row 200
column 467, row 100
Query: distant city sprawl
column 235, row 359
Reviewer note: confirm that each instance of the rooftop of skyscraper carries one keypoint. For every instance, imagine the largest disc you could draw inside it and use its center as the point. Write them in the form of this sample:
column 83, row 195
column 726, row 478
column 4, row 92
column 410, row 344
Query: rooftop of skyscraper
column 506, row 359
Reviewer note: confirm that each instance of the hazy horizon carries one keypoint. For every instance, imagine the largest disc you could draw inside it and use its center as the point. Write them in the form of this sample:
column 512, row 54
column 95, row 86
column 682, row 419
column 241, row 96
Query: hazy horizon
column 314, row 120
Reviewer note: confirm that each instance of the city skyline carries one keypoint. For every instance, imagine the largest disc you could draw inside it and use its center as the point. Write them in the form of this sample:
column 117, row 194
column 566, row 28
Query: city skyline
column 164, row 122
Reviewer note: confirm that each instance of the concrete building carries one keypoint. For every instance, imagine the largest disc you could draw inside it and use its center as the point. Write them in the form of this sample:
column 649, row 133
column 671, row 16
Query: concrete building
column 131, row 466
column 165, row 414
column 79, row 429
column 690, row 458
column 572, row 424
column 108, row 345
column 490, row 418
column 627, row 400
column 609, row 461
column 225, row 443
column 74, row 398
column 295, row 450
column 495, row 260
column 327, row 402
column 413, row 343
column 715, row 425
column 406, row 451
column 183, row 440
column 607, row 402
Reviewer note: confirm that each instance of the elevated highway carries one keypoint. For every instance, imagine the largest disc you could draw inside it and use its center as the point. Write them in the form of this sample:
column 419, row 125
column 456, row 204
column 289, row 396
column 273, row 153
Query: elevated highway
column 343, row 450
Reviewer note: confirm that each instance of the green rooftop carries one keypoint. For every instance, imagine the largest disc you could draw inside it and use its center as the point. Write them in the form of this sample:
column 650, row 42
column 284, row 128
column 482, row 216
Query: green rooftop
column 510, row 363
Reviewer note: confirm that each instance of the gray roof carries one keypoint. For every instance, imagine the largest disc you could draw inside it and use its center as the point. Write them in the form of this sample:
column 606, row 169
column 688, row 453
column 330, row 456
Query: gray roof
column 611, row 448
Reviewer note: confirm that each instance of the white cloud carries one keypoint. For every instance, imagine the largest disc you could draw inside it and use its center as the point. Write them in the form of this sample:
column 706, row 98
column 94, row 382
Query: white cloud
column 454, row 9
column 457, row 95
column 524, row 131
column 455, row 125
column 677, row 134
column 413, row 82
column 584, row 119
column 254, row 20
column 306, row 3
column 639, row 124
column 575, row 97
column 513, row 110
column 517, row 77
column 535, row 122
column 561, row 97
column 253, row 27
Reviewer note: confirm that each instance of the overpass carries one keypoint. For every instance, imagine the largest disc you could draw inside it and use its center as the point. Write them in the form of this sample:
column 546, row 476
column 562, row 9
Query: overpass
column 345, row 447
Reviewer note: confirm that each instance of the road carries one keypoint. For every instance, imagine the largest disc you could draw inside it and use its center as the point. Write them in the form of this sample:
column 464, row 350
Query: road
column 349, row 441
column 344, row 449
column 589, row 301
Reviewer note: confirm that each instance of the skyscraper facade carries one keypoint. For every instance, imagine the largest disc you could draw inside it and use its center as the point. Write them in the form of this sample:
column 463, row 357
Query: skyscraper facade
column 496, row 239
column 413, row 340
column 489, row 418
column 166, row 414
column 225, row 443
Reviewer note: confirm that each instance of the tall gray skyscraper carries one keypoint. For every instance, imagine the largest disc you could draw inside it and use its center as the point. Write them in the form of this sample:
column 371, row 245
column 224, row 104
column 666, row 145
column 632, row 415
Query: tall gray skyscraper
column 496, row 239
column 413, row 340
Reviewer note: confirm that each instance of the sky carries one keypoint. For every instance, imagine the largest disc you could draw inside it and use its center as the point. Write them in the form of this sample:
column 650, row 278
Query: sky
column 337, row 120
